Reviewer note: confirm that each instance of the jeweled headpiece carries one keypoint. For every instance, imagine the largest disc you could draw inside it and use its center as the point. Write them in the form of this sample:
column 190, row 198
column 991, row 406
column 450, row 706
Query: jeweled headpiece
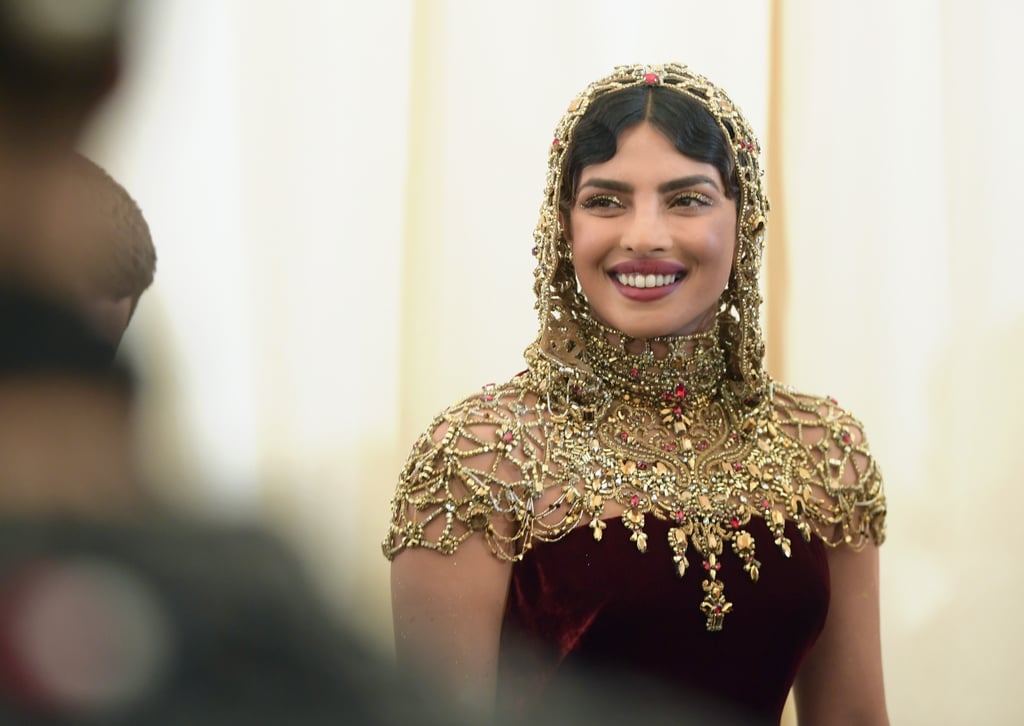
column 561, row 306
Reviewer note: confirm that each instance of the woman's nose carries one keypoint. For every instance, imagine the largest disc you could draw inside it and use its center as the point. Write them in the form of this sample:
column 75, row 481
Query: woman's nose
column 646, row 230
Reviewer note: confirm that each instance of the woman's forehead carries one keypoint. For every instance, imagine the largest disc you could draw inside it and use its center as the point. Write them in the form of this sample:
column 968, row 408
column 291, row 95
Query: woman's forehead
column 644, row 154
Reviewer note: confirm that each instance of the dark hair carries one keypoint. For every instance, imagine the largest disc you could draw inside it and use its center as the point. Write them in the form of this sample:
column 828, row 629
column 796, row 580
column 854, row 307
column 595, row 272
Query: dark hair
column 51, row 74
column 685, row 122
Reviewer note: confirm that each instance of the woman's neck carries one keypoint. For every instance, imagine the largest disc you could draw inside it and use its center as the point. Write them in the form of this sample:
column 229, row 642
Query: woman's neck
column 686, row 367
column 660, row 348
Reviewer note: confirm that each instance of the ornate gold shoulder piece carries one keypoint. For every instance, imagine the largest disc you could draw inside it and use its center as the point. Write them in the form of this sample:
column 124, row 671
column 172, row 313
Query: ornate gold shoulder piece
column 477, row 468
column 850, row 498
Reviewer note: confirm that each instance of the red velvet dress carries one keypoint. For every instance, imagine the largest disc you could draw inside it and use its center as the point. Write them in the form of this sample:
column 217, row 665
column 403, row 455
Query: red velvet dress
column 578, row 604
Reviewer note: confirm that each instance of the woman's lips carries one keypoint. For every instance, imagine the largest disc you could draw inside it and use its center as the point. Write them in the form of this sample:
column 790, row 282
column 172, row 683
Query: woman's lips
column 649, row 280
column 645, row 294
column 647, row 266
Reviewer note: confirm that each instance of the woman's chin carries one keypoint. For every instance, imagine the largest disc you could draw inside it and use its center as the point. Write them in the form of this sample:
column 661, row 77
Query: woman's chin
column 657, row 321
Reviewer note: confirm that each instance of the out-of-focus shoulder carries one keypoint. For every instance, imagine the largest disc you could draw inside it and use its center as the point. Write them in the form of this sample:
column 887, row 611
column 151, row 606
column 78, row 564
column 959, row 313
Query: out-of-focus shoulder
column 473, row 470
column 847, row 475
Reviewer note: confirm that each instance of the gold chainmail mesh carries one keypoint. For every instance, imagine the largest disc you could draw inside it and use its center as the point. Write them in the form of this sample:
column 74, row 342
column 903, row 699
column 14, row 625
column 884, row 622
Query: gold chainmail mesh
column 699, row 437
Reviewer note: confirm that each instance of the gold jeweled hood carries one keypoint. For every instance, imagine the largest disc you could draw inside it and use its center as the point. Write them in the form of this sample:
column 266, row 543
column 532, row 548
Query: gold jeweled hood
column 562, row 308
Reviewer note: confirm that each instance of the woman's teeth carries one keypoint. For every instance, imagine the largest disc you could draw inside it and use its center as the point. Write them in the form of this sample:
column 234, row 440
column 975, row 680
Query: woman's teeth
column 642, row 281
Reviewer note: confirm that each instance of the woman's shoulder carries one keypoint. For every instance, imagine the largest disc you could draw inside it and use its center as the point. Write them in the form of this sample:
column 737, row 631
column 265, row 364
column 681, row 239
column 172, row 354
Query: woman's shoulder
column 844, row 472
column 820, row 413
column 485, row 416
column 473, row 470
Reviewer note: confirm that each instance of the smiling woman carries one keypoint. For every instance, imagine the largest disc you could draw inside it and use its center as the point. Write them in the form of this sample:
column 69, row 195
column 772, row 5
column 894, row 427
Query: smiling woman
column 560, row 514
column 653, row 235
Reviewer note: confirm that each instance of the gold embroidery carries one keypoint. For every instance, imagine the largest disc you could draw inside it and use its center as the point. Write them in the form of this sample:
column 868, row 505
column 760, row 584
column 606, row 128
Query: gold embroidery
column 785, row 458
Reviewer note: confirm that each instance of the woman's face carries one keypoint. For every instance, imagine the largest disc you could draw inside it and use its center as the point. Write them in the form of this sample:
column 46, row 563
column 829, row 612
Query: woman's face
column 653, row 236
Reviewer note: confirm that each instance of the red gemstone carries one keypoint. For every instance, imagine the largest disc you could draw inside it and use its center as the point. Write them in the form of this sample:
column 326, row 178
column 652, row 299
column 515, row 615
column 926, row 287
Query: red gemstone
column 555, row 142
column 735, row 523
column 680, row 516
column 734, row 436
column 508, row 437
column 702, row 445
column 623, row 435
column 650, row 78
column 669, row 447
column 487, row 397
column 765, row 504
column 677, row 411
column 833, row 400
column 846, row 437
column 642, row 465
column 680, row 391
column 534, row 251
column 718, row 611
column 633, row 373
column 634, row 501
column 737, row 466
column 707, row 565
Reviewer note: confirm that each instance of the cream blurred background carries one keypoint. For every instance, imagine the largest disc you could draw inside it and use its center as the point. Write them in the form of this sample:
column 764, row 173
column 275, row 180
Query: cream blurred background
column 342, row 196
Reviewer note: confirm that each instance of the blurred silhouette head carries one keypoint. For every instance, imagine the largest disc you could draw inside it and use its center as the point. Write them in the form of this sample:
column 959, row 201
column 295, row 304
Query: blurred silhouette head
column 98, row 231
column 57, row 60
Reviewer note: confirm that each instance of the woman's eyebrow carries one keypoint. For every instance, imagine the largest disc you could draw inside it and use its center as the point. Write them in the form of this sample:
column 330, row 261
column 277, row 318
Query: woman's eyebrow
column 669, row 186
column 687, row 181
column 609, row 184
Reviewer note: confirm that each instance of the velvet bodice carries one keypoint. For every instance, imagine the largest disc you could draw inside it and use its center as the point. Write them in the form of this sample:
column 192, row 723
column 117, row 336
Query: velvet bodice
column 580, row 604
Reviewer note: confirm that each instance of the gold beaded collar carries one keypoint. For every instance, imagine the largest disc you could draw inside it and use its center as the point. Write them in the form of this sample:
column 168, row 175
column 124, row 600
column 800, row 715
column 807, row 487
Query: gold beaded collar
column 687, row 376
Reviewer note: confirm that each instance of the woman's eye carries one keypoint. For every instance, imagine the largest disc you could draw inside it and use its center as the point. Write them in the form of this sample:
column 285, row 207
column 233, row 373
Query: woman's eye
column 691, row 199
column 601, row 201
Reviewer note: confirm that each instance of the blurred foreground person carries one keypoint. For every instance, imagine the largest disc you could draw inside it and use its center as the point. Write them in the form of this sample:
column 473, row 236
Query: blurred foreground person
column 57, row 62
column 112, row 611
column 66, row 227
